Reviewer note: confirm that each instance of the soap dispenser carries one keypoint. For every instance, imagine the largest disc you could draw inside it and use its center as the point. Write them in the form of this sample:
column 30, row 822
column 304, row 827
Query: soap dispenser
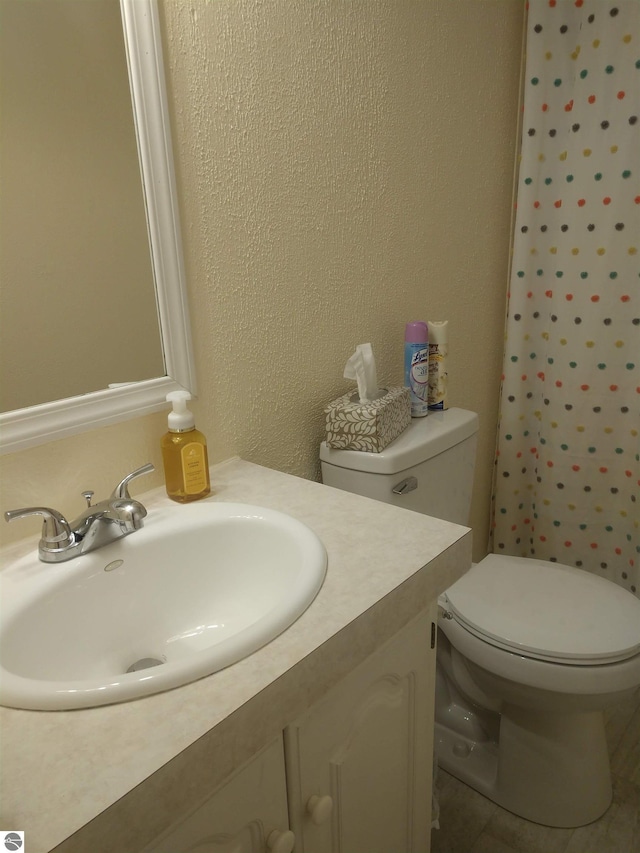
column 184, row 453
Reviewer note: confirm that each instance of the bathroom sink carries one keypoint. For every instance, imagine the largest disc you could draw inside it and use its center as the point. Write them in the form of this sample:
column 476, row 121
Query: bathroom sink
column 200, row 587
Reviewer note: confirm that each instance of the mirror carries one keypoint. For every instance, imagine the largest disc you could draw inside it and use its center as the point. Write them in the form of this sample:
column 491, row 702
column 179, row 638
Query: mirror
column 76, row 277
column 165, row 362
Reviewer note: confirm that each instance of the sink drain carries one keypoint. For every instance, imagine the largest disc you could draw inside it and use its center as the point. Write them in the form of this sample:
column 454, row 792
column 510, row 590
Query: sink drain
column 144, row 663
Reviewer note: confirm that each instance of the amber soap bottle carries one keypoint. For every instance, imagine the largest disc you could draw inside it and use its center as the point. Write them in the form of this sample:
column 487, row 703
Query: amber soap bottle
column 184, row 453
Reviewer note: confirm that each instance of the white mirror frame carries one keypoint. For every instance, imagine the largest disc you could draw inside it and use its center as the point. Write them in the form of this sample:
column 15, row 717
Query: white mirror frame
column 28, row 427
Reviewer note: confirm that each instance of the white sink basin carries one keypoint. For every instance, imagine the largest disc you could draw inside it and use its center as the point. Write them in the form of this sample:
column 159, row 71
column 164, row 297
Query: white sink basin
column 198, row 588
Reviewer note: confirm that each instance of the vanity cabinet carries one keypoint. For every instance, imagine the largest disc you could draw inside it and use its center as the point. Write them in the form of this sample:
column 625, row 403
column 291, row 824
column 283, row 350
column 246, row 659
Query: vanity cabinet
column 358, row 768
column 248, row 814
column 359, row 762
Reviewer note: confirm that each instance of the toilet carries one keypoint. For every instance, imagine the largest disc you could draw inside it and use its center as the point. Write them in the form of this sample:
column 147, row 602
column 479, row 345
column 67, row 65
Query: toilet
column 530, row 653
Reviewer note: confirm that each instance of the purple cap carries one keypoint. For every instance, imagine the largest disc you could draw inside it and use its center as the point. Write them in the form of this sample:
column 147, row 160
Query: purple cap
column 416, row 332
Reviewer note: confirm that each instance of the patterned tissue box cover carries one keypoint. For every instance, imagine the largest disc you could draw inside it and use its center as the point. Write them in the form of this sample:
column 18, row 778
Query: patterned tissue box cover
column 352, row 425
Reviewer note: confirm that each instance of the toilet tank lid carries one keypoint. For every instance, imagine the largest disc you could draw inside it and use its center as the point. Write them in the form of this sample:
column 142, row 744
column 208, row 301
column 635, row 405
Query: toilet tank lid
column 423, row 439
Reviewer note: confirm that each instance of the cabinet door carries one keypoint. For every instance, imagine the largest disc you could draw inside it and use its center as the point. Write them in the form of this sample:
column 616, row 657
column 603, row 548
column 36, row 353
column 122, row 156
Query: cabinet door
column 359, row 763
column 240, row 816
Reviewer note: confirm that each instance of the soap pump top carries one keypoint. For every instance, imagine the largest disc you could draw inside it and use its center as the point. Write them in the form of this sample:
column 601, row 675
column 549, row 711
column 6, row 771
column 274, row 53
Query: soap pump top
column 181, row 419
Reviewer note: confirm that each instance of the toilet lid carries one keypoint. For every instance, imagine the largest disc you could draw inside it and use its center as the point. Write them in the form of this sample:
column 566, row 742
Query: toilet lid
column 546, row 610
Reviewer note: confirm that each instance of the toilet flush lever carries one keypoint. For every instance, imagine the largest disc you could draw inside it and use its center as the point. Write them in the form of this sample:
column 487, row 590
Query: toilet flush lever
column 405, row 486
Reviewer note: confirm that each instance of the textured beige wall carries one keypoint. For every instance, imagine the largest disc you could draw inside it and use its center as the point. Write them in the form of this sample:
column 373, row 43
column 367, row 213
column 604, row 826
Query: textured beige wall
column 343, row 167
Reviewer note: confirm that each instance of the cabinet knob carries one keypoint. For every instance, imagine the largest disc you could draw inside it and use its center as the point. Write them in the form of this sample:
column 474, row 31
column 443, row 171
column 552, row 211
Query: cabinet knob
column 319, row 808
column 281, row 842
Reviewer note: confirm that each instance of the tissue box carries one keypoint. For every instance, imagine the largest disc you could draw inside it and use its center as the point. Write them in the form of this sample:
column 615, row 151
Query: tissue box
column 352, row 425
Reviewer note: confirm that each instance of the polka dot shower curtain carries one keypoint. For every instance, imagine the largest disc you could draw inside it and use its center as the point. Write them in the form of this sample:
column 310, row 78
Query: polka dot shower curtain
column 567, row 469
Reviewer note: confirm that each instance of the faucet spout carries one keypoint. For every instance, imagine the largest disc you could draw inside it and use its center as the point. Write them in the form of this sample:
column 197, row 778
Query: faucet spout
column 126, row 515
column 107, row 521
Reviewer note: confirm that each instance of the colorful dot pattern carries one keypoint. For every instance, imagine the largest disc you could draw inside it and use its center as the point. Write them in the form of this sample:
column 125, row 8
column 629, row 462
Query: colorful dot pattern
column 568, row 460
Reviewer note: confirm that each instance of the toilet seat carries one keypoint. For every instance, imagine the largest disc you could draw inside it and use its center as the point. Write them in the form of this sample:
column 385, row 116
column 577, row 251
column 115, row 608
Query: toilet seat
column 580, row 618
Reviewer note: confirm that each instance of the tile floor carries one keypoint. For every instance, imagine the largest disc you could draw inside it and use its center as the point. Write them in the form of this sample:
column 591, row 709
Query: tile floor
column 469, row 823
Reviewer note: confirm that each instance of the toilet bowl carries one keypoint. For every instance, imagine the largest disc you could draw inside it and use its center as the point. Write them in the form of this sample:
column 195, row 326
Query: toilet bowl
column 520, row 701
column 530, row 653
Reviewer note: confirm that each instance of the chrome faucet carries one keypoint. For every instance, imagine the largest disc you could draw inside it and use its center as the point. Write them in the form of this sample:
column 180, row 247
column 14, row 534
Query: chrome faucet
column 98, row 525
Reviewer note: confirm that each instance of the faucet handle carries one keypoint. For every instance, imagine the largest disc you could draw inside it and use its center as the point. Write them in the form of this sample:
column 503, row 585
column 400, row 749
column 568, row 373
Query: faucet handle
column 121, row 491
column 55, row 527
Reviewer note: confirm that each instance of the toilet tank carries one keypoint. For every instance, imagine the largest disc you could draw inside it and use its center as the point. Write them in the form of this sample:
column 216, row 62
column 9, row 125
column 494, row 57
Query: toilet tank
column 428, row 468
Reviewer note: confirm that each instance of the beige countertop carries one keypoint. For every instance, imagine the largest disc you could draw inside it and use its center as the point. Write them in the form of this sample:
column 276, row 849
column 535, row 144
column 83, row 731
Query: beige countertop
column 86, row 780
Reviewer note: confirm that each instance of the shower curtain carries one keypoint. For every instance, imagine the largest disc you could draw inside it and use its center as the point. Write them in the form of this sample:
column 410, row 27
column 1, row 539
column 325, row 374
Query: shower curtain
column 567, row 468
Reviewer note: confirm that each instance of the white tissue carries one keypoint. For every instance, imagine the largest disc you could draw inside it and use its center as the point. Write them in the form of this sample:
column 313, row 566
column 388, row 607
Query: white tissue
column 362, row 367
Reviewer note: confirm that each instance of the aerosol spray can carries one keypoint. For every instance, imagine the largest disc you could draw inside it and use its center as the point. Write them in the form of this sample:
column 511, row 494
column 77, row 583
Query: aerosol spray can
column 416, row 366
